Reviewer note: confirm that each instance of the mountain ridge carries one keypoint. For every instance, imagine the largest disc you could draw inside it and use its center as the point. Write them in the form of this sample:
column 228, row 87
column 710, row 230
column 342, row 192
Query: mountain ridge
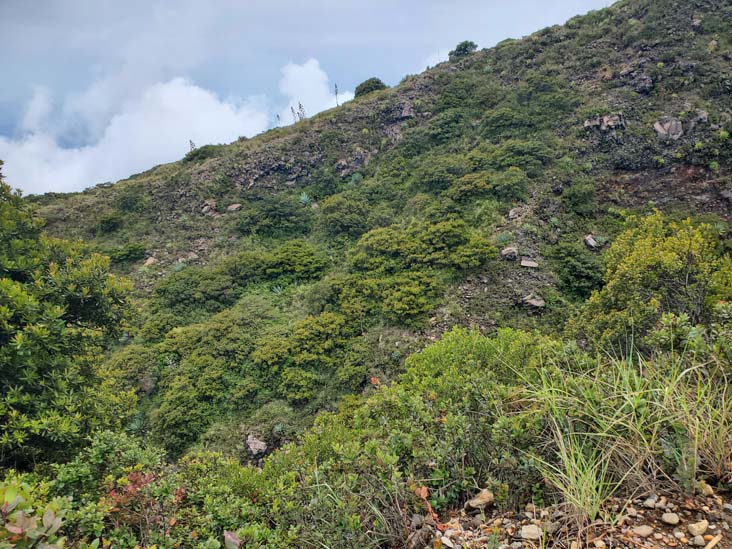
column 488, row 306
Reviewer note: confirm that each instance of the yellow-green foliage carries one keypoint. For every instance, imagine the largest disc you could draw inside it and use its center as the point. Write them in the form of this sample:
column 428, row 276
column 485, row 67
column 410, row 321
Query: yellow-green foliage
column 59, row 307
column 27, row 517
column 657, row 265
column 527, row 416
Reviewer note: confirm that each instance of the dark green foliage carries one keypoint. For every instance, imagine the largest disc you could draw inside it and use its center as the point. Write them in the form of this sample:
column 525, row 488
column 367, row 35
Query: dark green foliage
column 447, row 244
column 529, row 155
column 132, row 251
column 462, row 49
column 208, row 374
column 130, row 199
column 195, row 289
column 436, row 173
column 274, row 215
column 579, row 197
column 510, row 184
column 504, row 123
column 580, row 270
column 343, row 214
column 205, row 152
column 109, row 223
column 365, row 232
column 446, row 126
column 296, row 259
column 371, row 85
column 59, row 306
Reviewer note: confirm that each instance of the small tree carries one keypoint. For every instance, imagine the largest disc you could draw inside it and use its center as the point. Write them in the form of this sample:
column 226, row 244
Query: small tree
column 59, row 309
column 462, row 49
column 368, row 86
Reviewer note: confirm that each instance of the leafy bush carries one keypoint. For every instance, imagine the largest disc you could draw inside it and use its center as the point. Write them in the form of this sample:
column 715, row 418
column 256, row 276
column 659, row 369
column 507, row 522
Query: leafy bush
column 59, row 307
column 343, row 214
column 109, row 223
column 580, row 271
column 130, row 199
column 25, row 519
column 132, row 251
column 274, row 215
column 655, row 266
column 371, row 85
column 199, row 154
column 462, row 49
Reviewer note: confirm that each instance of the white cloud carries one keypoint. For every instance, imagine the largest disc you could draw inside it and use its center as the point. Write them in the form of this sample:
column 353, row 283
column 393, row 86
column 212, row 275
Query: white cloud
column 435, row 58
column 37, row 110
column 308, row 84
column 153, row 128
column 150, row 128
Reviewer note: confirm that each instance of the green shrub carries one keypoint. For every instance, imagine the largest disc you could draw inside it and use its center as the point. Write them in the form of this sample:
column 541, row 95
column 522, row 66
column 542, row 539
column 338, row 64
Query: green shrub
column 436, row 173
column 109, row 223
column 655, row 266
column 132, row 251
column 130, row 199
column 462, row 49
column 367, row 86
column 59, row 309
column 205, row 152
column 343, row 214
column 580, row 271
column 275, row 215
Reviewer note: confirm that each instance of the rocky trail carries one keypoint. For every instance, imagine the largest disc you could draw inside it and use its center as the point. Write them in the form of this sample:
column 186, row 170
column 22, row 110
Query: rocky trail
column 665, row 521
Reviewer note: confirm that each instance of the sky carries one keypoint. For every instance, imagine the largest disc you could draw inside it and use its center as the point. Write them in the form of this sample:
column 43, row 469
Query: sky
column 96, row 90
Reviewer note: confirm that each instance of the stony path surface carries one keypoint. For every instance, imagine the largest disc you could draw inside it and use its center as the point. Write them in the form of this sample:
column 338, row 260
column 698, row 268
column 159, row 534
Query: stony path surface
column 663, row 521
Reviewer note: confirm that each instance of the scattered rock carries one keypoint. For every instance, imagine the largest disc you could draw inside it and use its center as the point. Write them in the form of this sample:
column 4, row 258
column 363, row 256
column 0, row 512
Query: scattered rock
column 697, row 541
column 727, row 508
column 417, row 521
column 481, row 501
column 209, row 207
column 150, row 261
column 530, row 263
column 510, row 253
column 535, row 301
column 591, row 243
column 599, row 544
column 233, row 208
column 650, row 503
column 643, row 84
column 447, row 542
column 606, row 123
column 407, row 111
column 419, row 539
column 700, row 117
column 644, row 530
column 514, row 213
column 669, row 128
column 531, row 532
column 256, row 446
column 670, row 518
column 552, row 527
column 698, row 528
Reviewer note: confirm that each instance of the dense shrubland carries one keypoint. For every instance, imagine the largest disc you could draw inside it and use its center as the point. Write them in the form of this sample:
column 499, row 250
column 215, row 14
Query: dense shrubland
column 531, row 417
column 309, row 318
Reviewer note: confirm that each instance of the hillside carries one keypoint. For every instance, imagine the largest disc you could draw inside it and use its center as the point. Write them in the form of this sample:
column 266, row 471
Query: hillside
column 498, row 275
